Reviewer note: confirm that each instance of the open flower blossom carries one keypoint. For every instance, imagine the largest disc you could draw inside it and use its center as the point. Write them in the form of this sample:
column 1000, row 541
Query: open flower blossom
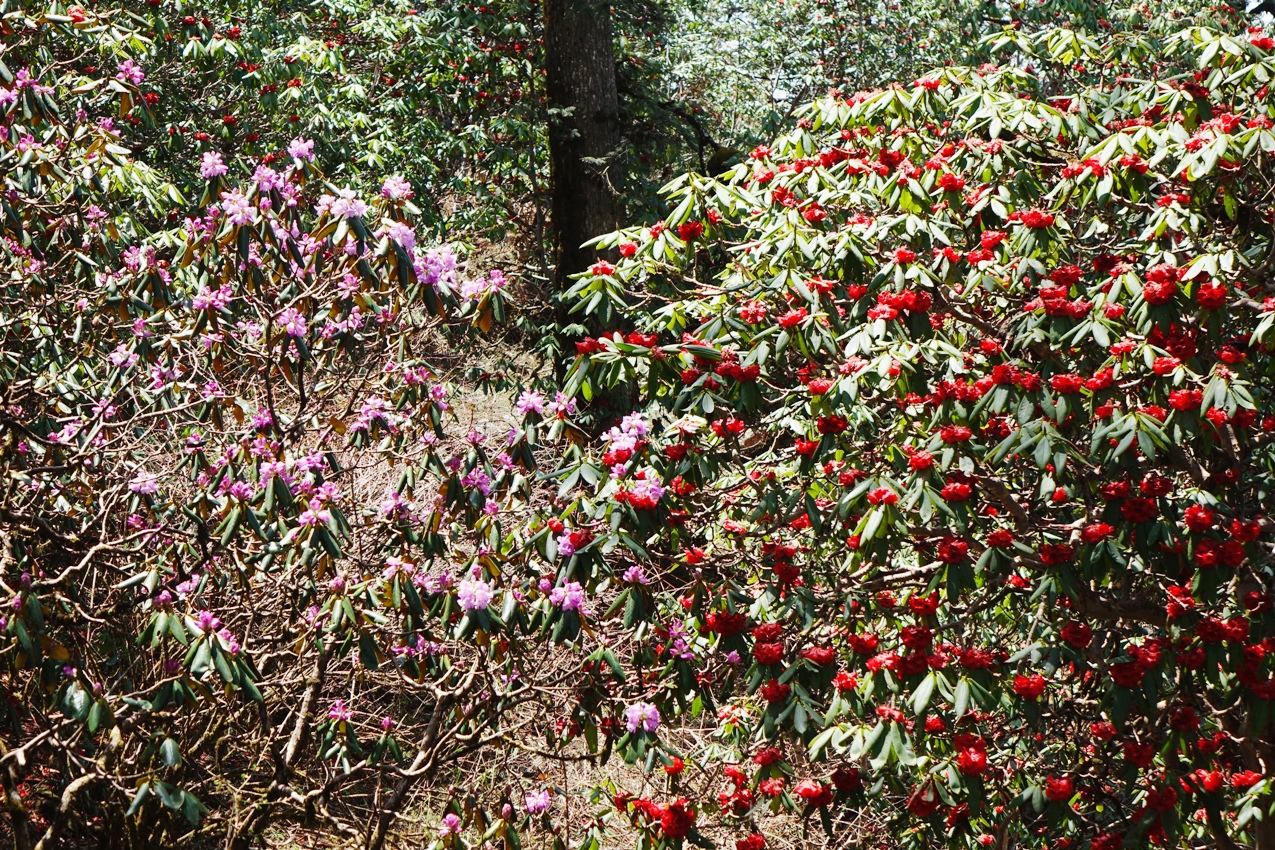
column 292, row 322
column 568, row 597
column 302, row 149
column 402, row 234
column 642, row 715
column 129, row 72
column 315, row 514
column 237, row 208
column 537, row 802
column 473, row 595
column 345, row 204
column 450, row 825
column 396, row 188
column 144, row 483
column 212, row 165
column 476, row 290
column 530, row 402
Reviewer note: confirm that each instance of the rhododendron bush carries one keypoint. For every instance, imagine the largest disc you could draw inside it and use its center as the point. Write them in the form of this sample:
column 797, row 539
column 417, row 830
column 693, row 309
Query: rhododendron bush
column 955, row 454
column 233, row 523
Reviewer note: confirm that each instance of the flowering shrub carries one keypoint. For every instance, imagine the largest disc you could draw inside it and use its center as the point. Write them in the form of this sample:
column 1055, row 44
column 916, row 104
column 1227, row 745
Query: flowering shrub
column 237, row 541
column 957, row 401
column 940, row 507
column 372, row 85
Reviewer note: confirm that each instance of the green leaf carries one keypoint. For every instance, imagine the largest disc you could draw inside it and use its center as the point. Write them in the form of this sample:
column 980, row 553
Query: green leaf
column 170, row 753
column 923, row 694
column 961, row 700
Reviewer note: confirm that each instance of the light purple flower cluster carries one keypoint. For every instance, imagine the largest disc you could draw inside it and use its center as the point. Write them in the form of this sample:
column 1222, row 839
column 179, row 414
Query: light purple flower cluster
column 144, row 484
column 568, row 597
column 237, row 208
column 642, row 715
column 627, row 434
column 436, row 267
column 212, row 165
column 450, row 825
column 475, row 290
column 396, row 188
column 300, row 148
column 402, row 234
column 537, row 802
column 129, row 72
column 212, row 299
column 636, row 574
column 293, row 322
column 531, row 401
column 474, row 595
column 346, row 204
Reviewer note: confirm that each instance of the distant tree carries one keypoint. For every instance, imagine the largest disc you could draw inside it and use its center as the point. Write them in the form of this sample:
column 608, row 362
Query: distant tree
column 584, row 128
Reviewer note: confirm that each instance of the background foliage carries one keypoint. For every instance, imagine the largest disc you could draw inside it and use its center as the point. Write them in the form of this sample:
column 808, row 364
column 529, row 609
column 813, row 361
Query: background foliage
column 934, row 511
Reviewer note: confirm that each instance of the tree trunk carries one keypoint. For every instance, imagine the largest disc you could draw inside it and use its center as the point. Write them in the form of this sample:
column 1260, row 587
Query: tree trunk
column 584, row 127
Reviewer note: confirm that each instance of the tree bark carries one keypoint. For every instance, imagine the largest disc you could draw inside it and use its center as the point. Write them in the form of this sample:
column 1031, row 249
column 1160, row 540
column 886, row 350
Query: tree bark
column 584, row 127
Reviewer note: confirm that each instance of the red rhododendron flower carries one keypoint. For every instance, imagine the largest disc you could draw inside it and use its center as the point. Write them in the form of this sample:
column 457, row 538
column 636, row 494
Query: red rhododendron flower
column 1037, row 219
column 1060, row 788
column 775, row 691
column 1211, row 295
column 923, row 606
column 768, row 653
column 971, row 762
column 1001, row 538
column 1052, row 554
column 815, row 794
column 772, row 788
column 793, row 318
column 1096, row 532
column 1161, row 284
column 921, row 461
column 1245, row 779
column 847, row 779
column 768, row 632
column 767, row 756
column 1029, row 687
column 1067, row 384
column 1186, row 399
column 1077, row 635
column 677, row 818
column 1162, row 799
column 689, row 231
column 1129, row 674
column 1107, row 841
column 1199, row 518
column 923, row 801
column 1138, row 509
column 1139, row 755
column 952, row 551
column 820, row 655
column 863, row 644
